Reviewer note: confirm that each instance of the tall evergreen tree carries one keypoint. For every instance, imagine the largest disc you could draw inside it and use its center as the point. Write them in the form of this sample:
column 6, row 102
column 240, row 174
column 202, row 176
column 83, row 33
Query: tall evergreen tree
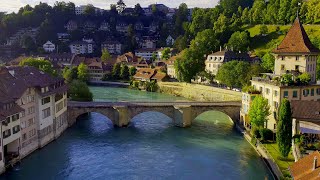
column 284, row 128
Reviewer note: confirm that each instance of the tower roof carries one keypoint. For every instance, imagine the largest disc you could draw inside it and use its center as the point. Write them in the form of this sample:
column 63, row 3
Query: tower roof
column 296, row 41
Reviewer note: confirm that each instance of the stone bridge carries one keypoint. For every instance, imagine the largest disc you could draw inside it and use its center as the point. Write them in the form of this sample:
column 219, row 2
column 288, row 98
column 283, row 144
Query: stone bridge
column 182, row 113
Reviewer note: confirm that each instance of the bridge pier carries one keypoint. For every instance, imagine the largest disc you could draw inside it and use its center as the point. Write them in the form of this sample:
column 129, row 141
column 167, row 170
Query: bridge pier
column 121, row 116
column 182, row 116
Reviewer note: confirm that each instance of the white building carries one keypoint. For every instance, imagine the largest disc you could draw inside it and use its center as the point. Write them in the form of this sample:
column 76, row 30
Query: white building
column 81, row 47
column 79, row 10
column 170, row 41
column 114, row 47
column 49, row 46
column 146, row 53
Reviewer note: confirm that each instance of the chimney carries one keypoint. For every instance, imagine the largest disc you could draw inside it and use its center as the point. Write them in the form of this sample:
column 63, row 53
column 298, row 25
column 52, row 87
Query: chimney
column 315, row 164
column 11, row 72
column 220, row 48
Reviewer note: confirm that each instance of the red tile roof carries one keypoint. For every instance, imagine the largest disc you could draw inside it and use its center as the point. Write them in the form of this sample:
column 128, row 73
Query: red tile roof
column 306, row 110
column 296, row 41
column 304, row 168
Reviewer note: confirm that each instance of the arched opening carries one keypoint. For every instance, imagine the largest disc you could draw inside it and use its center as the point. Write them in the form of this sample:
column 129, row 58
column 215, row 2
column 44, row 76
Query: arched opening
column 151, row 121
column 94, row 122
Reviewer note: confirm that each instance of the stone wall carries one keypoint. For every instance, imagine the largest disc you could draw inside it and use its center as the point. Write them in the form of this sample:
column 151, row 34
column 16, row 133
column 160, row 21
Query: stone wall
column 199, row 92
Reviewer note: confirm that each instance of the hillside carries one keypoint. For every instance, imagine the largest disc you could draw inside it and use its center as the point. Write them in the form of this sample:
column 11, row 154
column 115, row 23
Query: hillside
column 266, row 43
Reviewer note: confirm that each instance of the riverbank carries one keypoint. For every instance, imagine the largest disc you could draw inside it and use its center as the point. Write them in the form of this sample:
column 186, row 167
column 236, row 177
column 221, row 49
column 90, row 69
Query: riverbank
column 198, row 92
column 109, row 84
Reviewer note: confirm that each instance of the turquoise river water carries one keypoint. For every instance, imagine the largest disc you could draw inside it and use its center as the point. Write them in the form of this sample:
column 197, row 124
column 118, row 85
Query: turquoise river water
column 150, row 148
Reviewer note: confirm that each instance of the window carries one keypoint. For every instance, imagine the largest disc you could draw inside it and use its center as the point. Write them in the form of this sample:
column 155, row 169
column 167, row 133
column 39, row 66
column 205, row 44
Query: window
column 31, row 110
column 318, row 91
column 15, row 117
column 267, row 90
column 282, row 58
column 261, row 89
column 45, row 100
column 297, row 67
column 6, row 133
column 24, row 136
column 16, row 129
column 32, row 133
column 30, row 122
column 295, row 94
column 282, row 67
column 46, row 113
column 312, row 92
column 285, row 94
column 305, row 92
column 275, row 93
column 23, row 114
column 297, row 58
column 276, row 104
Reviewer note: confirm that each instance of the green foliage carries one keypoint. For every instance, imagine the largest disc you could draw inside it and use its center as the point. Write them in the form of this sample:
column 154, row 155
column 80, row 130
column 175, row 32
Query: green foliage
column 105, row 55
column 268, row 62
column 239, row 41
column 132, row 71
column 255, row 132
column 83, row 72
column 124, row 73
column 42, row 65
column 28, row 43
column 89, row 10
column 266, row 134
column 263, row 29
column 180, row 18
column 250, row 89
column 284, row 128
column 166, row 53
column 79, row 91
column 304, row 78
column 67, row 75
column 287, row 79
column 151, row 86
column 116, row 71
column 259, row 111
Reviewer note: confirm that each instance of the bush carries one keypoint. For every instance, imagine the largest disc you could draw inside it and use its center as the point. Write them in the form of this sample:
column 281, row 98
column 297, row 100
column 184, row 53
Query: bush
column 79, row 91
column 266, row 134
column 297, row 139
column 255, row 132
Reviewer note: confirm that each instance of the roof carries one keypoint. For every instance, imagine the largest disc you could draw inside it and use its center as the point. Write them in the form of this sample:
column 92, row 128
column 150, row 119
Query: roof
column 232, row 55
column 296, row 41
column 144, row 73
column 306, row 110
column 303, row 169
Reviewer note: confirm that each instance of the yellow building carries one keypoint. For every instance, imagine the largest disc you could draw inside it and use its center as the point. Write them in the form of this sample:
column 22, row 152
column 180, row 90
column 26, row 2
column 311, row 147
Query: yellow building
column 295, row 54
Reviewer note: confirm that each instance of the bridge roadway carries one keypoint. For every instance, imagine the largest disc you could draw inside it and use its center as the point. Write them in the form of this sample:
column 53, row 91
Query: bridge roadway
column 181, row 112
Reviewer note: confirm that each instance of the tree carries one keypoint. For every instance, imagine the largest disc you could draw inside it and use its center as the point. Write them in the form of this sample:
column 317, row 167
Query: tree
column 116, row 71
column 239, row 41
column 105, row 55
column 28, row 43
column 67, row 75
column 284, row 128
column 124, row 74
column 166, row 53
column 79, row 91
column 138, row 11
column 268, row 62
column 259, row 111
column 304, row 78
column 263, row 29
column 83, row 72
column 154, row 57
column 121, row 6
column 180, row 17
column 42, row 65
column 132, row 71
column 89, row 10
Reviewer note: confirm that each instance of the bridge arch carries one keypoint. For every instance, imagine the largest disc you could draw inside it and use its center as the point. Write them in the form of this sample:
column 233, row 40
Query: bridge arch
column 74, row 113
column 231, row 112
column 135, row 111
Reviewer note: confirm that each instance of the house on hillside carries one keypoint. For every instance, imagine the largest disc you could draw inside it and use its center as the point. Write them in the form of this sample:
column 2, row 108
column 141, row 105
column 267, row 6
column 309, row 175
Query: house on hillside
column 146, row 53
column 104, row 26
column 170, row 67
column 170, row 41
column 122, row 27
column 81, row 47
column 128, row 59
column 148, row 75
column 49, row 46
column 114, row 47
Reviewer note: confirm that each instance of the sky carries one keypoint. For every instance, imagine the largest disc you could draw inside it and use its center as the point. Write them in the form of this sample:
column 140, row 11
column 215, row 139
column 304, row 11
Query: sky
column 14, row 5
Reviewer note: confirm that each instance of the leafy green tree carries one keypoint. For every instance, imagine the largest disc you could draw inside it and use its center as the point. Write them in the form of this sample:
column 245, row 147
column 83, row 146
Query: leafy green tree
column 28, row 43
column 154, row 57
column 304, row 78
column 234, row 73
column 259, row 112
column 79, row 91
column 105, row 55
column 83, row 72
column 181, row 43
column 284, row 128
column 43, row 65
column 124, row 73
column 116, row 71
column 180, row 18
column 257, row 11
column 263, row 29
column 67, row 75
column 287, row 79
column 89, row 10
column 268, row 62
column 138, row 11
column 132, row 71
column 166, row 53
column 239, row 41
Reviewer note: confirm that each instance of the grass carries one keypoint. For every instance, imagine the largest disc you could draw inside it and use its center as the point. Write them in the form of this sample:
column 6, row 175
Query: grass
column 283, row 163
column 273, row 38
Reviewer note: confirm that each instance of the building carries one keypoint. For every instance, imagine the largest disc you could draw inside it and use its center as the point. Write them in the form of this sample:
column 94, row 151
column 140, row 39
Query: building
column 114, row 47
column 147, row 11
column 171, row 71
column 128, row 59
column 148, row 43
column 81, row 47
column 170, row 41
column 214, row 61
column 60, row 59
column 71, row 25
column 122, row 27
column 306, row 168
column 64, row 37
column 104, row 26
column 79, row 10
column 96, row 70
column 296, row 52
column 148, row 75
column 146, row 53
column 270, row 85
column 49, row 46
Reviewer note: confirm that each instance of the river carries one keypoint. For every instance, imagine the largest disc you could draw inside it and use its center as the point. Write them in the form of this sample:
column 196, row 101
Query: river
column 150, row 148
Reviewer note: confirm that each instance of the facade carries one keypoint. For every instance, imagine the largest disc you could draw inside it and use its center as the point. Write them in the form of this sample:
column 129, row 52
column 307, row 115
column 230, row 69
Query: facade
column 49, row 46
column 170, row 41
column 79, row 10
column 128, row 59
column 146, row 53
column 81, row 47
column 170, row 67
column 214, row 61
column 96, row 71
column 71, row 25
column 33, row 111
column 148, row 44
column 122, row 27
column 270, row 86
column 114, row 47
column 104, row 26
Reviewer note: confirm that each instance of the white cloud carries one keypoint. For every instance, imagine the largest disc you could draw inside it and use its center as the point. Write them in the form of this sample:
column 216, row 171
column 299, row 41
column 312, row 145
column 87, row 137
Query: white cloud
column 14, row 5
